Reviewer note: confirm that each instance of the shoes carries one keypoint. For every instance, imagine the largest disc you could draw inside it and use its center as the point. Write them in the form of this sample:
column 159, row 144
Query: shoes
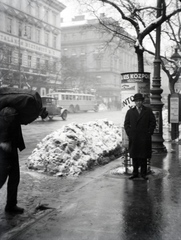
column 15, row 210
column 136, row 176
column 133, row 176
column 144, row 178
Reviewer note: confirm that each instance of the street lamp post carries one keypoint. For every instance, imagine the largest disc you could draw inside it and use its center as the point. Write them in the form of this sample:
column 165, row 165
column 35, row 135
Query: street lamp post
column 156, row 103
column 175, row 126
column 1, row 59
column 19, row 57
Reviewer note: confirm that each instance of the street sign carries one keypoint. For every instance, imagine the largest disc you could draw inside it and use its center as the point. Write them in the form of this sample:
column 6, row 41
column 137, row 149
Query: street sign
column 174, row 108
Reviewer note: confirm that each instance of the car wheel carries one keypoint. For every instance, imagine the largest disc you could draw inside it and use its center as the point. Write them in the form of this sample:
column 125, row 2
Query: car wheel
column 77, row 108
column 50, row 117
column 71, row 109
column 64, row 115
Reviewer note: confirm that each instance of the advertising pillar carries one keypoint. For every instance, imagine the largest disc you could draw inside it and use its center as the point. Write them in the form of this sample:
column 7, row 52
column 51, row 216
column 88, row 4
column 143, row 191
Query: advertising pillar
column 132, row 83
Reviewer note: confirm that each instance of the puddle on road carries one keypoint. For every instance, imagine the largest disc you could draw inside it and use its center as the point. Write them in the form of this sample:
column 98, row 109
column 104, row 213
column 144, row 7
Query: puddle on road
column 121, row 173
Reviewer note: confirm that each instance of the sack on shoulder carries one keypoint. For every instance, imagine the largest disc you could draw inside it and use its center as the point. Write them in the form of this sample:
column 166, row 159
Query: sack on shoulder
column 28, row 103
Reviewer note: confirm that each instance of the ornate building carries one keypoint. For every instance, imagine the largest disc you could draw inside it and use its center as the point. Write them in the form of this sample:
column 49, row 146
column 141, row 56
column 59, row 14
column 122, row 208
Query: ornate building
column 102, row 57
column 30, row 44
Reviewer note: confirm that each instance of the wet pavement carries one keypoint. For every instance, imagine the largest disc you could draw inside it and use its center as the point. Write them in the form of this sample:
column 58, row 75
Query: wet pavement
column 100, row 205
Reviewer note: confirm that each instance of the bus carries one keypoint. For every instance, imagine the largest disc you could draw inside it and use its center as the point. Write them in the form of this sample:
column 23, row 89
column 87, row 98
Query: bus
column 75, row 102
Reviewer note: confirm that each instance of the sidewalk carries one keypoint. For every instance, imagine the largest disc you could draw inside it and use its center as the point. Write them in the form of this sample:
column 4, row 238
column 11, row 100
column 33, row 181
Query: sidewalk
column 99, row 204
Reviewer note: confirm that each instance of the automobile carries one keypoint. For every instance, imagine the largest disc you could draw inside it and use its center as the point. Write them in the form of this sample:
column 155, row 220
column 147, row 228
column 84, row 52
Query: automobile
column 50, row 104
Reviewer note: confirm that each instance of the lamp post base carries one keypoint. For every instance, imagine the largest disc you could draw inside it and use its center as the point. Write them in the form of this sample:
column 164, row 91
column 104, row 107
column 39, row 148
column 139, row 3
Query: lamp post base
column 157, row 145
column 157, row 139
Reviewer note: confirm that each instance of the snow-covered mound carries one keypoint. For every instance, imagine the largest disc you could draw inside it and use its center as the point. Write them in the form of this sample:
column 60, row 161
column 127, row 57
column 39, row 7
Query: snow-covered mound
column 77, row 147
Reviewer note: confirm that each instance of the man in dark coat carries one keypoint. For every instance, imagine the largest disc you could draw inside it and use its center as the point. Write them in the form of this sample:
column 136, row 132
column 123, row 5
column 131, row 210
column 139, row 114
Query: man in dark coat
column 10, row 140
column 139, row 125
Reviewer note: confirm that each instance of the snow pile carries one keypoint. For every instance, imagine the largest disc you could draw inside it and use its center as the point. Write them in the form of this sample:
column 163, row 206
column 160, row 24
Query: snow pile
column 77, row 147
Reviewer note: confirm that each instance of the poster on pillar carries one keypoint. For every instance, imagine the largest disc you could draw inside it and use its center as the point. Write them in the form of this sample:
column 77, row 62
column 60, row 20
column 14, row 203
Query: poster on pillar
column 132, row 83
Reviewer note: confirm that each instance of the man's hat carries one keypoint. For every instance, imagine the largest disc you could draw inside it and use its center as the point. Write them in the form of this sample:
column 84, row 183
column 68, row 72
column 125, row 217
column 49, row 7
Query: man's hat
column 138, row 96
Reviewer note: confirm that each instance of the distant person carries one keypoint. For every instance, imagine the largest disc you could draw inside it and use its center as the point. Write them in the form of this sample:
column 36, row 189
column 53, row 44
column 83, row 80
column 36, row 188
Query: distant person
column 10, row 140
column 139, row 125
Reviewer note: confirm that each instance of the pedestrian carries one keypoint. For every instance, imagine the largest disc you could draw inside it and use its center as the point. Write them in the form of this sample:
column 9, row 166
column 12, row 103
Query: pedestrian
column 139, row 125
column 11, row 140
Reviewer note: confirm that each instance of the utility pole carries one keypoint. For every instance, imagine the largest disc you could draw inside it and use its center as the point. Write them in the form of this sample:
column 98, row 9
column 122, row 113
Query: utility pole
column 156, row 91
column 19, row 56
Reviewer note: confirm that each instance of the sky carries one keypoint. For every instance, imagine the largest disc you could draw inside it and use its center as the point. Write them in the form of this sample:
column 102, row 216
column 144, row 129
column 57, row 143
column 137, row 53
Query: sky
column 73, row 7
column 71, row 10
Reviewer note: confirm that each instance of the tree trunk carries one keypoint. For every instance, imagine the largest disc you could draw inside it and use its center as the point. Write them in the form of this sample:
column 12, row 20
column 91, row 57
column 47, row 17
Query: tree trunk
column 171, row 86
column 140, row 59
column 172, row 82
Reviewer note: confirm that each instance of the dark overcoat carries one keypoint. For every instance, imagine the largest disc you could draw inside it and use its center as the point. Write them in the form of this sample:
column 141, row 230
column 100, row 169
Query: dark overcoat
column 139, row 128
column 10, row 130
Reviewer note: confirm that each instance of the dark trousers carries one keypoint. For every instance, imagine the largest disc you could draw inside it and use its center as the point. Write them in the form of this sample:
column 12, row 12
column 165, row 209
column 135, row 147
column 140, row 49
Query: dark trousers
column 9, row 168
column 140, row 162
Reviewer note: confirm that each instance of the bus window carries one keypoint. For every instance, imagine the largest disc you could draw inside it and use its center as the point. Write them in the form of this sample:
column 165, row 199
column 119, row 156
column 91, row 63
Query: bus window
column 54, row 95
column 85, row 101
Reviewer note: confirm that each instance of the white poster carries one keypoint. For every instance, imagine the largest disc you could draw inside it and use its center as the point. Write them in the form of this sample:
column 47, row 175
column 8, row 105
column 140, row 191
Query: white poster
column 131, row 84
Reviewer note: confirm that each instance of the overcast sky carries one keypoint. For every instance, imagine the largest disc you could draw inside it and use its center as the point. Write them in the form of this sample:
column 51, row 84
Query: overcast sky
column 72, row 9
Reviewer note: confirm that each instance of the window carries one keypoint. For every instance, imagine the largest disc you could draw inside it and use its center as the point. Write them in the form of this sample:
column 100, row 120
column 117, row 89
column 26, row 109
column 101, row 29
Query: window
column 54, row 41
column 38, row 63
column 46, row 39
column 19, row 30
column 9, row 25
column 29, row 61
column 38, row 35
column 54, row 66
column 29, row 30
column 46, row 15
column 54, row 18
column 37, row 11
column 98, row 63
column 82, row 62
column 20, row 4
column 46, row 64
column 9, row 56
column 25, row 31
column 20, row 59
column 29, row 8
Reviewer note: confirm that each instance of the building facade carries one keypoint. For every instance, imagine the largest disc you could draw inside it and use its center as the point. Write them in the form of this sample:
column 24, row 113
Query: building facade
column 103, row 58
column 30, row 44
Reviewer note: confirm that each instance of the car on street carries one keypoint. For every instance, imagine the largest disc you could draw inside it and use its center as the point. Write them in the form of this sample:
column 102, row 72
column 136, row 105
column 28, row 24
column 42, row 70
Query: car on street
column 50, row 104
